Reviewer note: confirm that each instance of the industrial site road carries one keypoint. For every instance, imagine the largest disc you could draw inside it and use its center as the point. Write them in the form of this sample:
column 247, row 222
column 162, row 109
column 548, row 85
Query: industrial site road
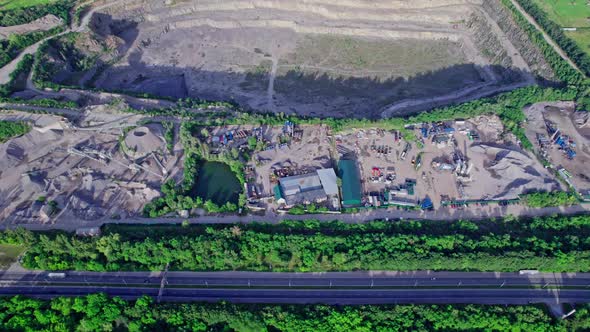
column 330, row 288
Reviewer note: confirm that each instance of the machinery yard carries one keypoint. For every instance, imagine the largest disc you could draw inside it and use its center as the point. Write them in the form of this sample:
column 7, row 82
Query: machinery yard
column 449, row 164
column 463, row 161
column 278, row 151
column 562, row 136
column 110, row 164
column 79, row 169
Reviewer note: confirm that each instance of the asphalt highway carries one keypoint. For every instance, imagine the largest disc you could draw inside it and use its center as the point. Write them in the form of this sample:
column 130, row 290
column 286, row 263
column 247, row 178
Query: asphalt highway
column 330, row 288
column 327, row 296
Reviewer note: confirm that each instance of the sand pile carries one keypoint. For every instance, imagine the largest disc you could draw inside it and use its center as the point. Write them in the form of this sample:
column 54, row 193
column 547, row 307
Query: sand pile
column 142, row 141
column 511, row 172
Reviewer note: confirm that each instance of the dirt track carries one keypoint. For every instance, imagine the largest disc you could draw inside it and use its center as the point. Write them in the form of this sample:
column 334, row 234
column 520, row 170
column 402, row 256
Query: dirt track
column 9, row 68
column 42, row 24
column 547, row 38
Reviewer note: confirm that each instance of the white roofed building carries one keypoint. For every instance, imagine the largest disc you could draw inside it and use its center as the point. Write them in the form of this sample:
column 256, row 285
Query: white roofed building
column 309, row 188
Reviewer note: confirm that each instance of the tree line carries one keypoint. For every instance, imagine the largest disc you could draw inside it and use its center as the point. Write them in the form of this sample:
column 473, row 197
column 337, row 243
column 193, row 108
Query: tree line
column 547, row 199
column 545, row 243
column 98, row 312
column 561, row 68
column 11, row 47
column 563, row 71
column 19, row 74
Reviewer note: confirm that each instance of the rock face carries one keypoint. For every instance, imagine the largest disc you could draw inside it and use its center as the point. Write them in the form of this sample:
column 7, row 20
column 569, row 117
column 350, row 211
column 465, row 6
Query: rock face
column 352, row 58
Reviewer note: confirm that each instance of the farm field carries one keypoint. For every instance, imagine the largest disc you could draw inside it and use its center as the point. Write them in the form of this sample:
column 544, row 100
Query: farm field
column 582, row 38
column 570, row 14
column 14, row 4
column 567, row 13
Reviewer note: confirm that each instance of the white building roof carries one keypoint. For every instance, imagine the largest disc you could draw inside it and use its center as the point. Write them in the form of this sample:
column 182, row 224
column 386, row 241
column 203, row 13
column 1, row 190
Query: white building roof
column 300, row 183
column 329, row 180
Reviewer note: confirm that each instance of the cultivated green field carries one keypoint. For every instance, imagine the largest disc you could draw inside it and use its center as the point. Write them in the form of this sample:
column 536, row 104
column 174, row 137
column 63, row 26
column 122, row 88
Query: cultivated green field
column 567, row 13
column 570, row 14
column 13, row 4
column 9, row 253
column 582, row 38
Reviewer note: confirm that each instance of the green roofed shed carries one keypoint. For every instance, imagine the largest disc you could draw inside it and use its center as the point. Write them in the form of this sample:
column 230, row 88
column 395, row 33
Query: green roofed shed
column 351, row 183
column 278, row 193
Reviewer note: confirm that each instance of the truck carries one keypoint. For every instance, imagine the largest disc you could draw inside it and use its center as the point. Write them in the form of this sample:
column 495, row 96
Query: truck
column 56, row 275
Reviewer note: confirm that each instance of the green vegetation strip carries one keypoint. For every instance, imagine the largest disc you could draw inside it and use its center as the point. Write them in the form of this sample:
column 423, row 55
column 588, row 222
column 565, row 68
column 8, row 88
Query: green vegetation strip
column 546, row 199
column 98, row 312
column 9, row 129
column 17, row 77
column 560, row 244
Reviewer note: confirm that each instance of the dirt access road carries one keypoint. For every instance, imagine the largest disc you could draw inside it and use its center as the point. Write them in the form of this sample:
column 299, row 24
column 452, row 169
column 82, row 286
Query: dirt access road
column 546, row 36
column 10, row 67
column 473, row 213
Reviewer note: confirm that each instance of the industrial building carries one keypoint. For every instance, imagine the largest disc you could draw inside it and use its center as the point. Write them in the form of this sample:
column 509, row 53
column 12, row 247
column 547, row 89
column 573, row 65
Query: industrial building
column 317, row 187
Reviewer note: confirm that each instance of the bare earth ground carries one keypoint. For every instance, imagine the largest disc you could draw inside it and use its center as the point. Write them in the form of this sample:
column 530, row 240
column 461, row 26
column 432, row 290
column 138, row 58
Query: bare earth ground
column 500, row 169
column 313, row 57
column 81, row 166
column 44, row 23
column 561, row 113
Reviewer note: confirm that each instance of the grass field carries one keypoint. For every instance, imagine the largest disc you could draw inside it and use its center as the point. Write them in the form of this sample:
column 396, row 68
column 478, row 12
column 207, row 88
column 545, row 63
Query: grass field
column 9, row 253
column 13, row 4
column 570, row 14
column 582, row 38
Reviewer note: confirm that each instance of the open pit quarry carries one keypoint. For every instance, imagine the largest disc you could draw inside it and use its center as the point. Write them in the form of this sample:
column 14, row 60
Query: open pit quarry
column 353, row 58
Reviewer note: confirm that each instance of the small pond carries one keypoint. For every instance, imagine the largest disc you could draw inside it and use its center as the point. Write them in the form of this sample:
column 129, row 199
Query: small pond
column 218, row 183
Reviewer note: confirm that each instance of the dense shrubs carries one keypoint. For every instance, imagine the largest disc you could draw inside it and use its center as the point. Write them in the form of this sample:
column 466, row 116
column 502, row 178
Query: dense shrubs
column 180, row 197
column 16, row 16
column 9, row 129
column 546, row 199
column 21, row 70
column 548, row 243
column 11, row 47
column 98, row 312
